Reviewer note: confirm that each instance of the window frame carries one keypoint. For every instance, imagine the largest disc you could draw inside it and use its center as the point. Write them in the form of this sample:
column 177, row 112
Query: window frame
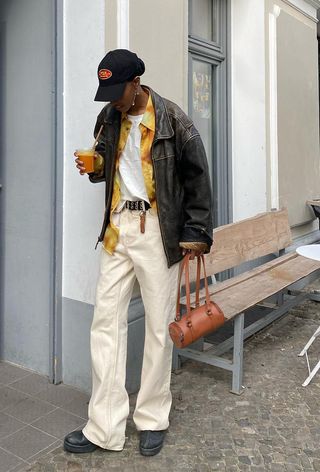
column 216, row 55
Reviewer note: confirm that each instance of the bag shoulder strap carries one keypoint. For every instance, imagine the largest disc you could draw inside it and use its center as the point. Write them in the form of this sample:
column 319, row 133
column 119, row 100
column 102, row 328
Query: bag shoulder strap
column 185, row 269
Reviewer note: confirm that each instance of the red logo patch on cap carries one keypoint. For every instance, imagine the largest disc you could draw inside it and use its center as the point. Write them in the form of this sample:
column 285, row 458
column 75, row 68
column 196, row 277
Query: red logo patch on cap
column 105, row 74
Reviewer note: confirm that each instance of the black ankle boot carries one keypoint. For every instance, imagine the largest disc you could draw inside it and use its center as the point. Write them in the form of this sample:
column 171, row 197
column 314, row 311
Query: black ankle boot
column 151, row 442
column 77, row 442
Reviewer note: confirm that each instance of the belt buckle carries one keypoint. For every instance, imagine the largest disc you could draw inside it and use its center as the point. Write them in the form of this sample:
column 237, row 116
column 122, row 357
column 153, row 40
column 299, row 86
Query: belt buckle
column 136, row 205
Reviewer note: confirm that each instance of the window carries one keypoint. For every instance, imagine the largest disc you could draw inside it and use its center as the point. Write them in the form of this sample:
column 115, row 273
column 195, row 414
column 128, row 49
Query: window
column 203, row 15
column 208, row 93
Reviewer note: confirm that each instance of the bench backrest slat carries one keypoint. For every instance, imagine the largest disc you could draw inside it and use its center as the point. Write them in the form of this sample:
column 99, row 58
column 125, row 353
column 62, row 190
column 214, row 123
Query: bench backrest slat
column 247, row 240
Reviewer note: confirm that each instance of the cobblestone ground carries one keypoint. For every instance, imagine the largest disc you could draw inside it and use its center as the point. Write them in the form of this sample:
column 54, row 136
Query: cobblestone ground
column 274, row 426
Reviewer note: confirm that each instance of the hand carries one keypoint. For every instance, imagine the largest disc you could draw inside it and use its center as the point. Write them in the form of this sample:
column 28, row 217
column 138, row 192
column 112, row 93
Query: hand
column 193, row 253
column 80, row 165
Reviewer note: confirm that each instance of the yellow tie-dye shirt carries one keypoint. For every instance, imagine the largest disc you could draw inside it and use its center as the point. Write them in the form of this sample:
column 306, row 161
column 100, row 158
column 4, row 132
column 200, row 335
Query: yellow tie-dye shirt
column 147, row 128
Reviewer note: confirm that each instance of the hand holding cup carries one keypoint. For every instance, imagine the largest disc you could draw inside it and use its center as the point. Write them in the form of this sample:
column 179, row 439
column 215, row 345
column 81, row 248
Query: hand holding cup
column 85, row 160
column 86, row 157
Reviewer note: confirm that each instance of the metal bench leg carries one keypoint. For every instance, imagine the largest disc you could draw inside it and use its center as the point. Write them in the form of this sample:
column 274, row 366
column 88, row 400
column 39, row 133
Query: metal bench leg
column 280, row 298
column 176, row 361
column 237, row 355
column 314, row 295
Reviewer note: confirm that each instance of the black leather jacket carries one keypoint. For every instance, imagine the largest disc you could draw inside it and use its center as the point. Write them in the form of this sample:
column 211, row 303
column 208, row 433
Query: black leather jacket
column 183, row 189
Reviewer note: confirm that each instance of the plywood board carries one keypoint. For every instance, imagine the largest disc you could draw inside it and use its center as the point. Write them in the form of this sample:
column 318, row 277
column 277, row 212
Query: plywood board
column 247, row 240
column 241, row 293
column 244, row 276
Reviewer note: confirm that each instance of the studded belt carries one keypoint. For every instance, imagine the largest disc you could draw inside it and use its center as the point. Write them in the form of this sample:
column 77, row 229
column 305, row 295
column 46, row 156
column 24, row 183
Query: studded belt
column 139, row 205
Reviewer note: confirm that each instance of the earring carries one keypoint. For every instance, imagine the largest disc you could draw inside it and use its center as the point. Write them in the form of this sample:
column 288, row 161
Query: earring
column 134, row 99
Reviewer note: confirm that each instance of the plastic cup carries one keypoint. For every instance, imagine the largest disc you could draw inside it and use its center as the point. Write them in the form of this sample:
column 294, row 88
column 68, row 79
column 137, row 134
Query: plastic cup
column 87, row 157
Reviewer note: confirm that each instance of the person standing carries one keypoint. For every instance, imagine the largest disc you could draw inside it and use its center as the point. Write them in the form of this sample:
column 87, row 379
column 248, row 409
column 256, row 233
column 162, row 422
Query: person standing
column 157, row 207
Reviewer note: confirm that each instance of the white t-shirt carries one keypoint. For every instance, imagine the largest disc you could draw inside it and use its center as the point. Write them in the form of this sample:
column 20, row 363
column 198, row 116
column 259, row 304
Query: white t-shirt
column 130, row 169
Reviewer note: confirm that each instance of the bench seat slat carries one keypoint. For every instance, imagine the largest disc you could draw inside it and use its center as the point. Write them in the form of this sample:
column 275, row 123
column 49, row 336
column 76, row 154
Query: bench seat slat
column 243, row 292
column 247, row 240
column 241, row 277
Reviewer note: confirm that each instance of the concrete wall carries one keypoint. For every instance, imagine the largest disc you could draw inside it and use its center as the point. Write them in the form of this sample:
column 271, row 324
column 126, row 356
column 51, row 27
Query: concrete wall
column 83, row 206
column 298, row 116
column 248, row 108
column 275, row 108
column 159, row 35
column 292, row 109
column 83, row 202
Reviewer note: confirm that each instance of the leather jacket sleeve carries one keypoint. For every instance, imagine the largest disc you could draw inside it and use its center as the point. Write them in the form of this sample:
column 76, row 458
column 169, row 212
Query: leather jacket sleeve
column 198, row 224
column 98, row 174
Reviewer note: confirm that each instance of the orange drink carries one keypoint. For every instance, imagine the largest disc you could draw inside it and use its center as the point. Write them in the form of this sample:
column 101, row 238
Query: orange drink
column 87, row 157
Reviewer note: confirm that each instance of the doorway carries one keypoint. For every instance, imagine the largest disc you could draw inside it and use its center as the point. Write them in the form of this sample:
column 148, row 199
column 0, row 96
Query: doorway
column 27, row 197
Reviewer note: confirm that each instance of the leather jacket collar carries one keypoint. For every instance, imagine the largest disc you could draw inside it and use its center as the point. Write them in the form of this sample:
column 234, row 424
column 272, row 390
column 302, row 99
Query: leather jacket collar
column 164, row 128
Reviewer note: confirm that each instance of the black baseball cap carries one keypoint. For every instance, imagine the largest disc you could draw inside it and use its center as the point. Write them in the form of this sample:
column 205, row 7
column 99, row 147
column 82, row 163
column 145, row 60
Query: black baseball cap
column 116, row 69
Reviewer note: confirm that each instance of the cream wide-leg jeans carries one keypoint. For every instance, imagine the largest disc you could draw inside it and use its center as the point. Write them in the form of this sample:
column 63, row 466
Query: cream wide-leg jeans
column 137, row 255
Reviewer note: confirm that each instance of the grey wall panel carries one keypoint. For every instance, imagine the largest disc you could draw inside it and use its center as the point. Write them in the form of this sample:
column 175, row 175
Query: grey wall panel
column 76, row 322
column 77, row 318
column 26, row 304
column 298, row 116
column 27, row 127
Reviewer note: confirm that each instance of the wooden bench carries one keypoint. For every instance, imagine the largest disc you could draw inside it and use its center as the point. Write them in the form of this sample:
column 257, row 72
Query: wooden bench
column 282, row 278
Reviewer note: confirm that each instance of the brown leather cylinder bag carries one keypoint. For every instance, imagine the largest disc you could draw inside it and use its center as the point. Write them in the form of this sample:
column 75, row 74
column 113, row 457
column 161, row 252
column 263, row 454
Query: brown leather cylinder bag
column 199, row 321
